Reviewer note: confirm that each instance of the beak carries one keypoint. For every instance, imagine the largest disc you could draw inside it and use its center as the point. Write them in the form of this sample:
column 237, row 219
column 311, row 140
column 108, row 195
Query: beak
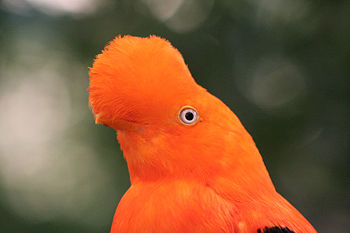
column 97, row 119
column 120, row 124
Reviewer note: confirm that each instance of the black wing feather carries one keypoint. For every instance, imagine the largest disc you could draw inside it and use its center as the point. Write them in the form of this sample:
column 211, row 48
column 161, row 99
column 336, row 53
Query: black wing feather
column 275, row 230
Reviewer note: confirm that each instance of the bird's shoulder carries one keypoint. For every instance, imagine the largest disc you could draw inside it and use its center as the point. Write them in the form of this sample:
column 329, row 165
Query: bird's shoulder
column 262, row 210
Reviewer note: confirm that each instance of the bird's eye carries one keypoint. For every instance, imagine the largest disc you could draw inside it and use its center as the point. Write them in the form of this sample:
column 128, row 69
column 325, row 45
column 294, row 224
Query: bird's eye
column 188, row 115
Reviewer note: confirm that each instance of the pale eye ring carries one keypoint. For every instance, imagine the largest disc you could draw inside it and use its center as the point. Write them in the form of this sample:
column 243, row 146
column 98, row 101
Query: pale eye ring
column 188, row 115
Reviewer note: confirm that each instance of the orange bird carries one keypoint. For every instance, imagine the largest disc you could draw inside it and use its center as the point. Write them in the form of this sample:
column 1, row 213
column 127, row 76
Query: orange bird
column 193, row 167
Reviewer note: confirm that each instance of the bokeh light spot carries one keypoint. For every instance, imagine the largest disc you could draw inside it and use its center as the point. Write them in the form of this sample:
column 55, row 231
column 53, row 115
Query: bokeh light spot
column 273, row 83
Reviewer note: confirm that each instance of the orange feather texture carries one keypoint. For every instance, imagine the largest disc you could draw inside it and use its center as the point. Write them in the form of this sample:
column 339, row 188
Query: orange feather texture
column 202, row 177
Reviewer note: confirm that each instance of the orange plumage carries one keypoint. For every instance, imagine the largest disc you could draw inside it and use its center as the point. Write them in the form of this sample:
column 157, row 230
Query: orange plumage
column 193, row 167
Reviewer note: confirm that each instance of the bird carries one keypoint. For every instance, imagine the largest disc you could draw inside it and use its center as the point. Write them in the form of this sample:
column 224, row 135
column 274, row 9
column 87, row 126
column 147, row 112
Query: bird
column 193, row 166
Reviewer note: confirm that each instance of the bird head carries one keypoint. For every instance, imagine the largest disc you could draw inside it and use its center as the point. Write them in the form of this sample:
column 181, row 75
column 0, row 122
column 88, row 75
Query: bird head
column 167, row 125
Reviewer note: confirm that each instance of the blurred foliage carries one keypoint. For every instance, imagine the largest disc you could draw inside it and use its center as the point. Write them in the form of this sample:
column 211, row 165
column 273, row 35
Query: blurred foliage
column 282, row 66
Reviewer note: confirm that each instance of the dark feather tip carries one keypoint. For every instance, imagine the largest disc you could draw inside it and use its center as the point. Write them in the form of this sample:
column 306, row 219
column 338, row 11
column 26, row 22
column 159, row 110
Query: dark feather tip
column 275, row 230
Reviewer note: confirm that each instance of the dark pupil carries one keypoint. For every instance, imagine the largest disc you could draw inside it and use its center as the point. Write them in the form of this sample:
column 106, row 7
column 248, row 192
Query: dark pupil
column 189, row 116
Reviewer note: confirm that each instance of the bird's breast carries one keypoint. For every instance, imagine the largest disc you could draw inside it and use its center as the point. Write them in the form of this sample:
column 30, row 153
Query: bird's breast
column 172, row 206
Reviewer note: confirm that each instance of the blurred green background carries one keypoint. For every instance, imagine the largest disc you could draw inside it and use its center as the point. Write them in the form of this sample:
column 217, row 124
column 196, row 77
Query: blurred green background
column 283, row 66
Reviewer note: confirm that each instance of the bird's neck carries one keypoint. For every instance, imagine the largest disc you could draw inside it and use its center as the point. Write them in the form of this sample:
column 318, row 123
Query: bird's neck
column 239, row 169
